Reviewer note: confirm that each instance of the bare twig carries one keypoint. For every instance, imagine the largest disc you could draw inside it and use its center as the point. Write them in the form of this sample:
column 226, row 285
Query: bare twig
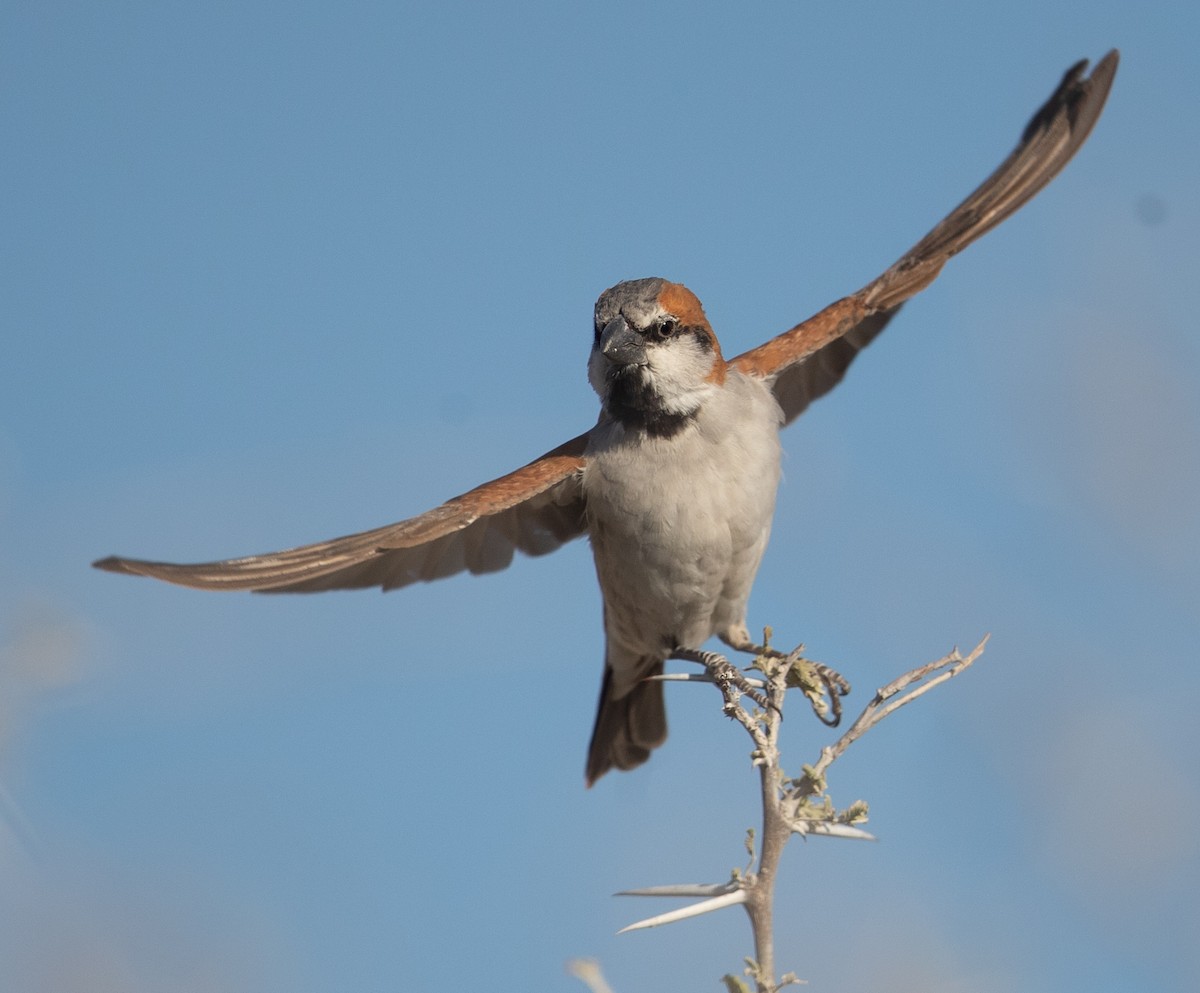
column 886, row 701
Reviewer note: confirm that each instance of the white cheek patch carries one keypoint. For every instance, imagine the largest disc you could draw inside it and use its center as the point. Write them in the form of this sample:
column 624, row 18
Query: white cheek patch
column 678, row 371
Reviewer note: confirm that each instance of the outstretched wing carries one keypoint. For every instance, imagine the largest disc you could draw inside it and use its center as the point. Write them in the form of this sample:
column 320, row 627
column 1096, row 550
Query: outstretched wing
column 535, row 510
column 811, row 358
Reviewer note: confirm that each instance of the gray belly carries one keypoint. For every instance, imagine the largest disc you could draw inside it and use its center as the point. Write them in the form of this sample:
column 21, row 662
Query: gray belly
column 678, row 528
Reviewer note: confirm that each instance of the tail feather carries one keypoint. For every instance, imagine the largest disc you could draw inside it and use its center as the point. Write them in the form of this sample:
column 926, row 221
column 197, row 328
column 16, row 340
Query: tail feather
column 628, row 727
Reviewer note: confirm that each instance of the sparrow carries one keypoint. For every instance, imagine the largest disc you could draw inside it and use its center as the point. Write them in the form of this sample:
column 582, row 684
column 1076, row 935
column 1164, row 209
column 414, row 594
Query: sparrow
column 675, row 484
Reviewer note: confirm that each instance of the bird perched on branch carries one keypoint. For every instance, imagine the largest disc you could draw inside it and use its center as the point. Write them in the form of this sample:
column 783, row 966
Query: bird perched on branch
column 675, row 484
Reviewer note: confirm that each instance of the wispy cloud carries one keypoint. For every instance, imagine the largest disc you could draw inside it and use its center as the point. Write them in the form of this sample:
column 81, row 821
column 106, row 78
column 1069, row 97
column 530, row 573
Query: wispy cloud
column 41, row 653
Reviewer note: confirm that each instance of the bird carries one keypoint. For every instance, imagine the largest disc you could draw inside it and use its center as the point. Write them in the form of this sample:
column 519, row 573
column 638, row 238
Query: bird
column 675, row 484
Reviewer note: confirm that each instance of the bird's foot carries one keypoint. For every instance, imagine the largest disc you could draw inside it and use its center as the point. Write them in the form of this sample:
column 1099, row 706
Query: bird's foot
column 728, row 677
column 823, row 685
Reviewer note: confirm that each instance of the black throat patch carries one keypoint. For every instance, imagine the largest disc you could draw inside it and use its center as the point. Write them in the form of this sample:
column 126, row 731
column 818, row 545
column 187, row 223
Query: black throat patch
column 634, row 403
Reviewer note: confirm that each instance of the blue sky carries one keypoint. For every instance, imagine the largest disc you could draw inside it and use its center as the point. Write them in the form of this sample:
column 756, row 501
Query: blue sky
column 275, row 272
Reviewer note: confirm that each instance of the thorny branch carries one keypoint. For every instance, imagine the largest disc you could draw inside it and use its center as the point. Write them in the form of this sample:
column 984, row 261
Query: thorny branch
column 790, row 806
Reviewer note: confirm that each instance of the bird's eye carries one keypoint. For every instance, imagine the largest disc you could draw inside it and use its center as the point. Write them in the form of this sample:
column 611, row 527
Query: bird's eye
column 666, row 329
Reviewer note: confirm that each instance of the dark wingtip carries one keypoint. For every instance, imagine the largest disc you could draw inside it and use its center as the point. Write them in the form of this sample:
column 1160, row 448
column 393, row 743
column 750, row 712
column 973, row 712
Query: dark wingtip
column 1106, row 69
column 1072, row 91
column 110, row 564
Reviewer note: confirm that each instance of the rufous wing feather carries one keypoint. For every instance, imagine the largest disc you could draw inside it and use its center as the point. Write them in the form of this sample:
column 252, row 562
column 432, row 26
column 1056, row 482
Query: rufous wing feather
column 808, row 360
column 534, row 510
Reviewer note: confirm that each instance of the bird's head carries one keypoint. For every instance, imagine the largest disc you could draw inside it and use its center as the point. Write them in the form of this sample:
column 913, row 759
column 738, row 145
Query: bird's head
column 654, row 357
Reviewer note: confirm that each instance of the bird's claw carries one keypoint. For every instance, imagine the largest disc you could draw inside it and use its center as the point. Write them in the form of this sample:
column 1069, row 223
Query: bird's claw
column 823, row 685
column 826, row 696
column 728, row 677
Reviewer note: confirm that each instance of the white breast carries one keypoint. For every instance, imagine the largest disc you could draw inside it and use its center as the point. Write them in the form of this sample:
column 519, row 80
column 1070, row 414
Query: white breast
column 678, row 525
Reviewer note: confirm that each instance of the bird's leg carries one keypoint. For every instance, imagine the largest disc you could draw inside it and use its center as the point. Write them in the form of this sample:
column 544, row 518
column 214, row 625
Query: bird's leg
column 725, row 674
column 824, row 691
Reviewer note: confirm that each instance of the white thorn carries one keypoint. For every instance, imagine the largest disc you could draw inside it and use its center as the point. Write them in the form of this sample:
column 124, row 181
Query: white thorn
column 695, row 910
column 830, row 829
column 697, row 677
column 685, row 889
